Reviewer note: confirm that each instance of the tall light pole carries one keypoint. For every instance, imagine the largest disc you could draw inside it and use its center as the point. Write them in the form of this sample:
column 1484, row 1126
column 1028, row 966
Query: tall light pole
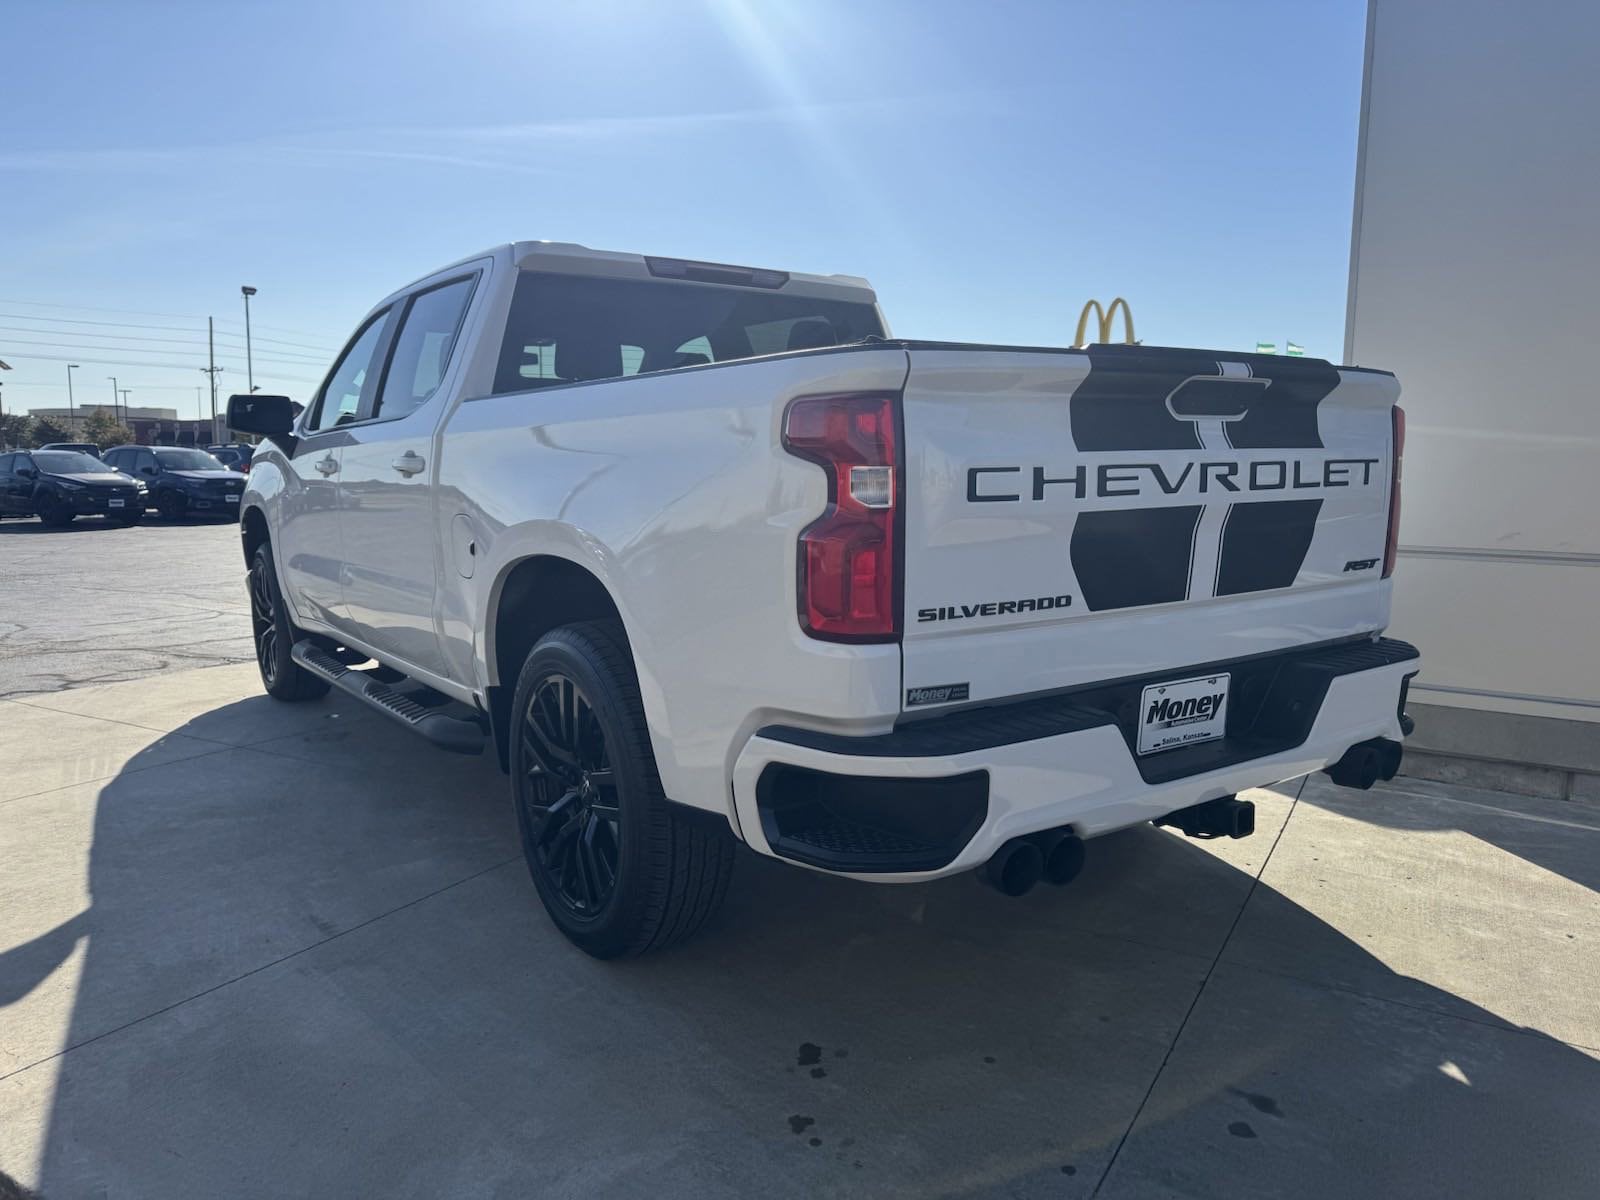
column 249, row 367
column 114, row 415
column 72, row 423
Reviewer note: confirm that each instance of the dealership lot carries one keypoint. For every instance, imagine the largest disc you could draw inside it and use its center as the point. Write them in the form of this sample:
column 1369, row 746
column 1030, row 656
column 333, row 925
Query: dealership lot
column 258, row 949
column 95, row 602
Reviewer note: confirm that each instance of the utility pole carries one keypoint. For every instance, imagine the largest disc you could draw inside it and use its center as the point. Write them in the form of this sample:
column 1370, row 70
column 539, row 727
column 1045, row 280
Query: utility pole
column 125, row 392
column 114, row 415
column 249, row 366
column 211, row 374
column 72, row 423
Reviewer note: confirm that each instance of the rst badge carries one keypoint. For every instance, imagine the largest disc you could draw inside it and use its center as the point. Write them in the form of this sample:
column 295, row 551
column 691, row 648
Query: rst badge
column 1182, row 712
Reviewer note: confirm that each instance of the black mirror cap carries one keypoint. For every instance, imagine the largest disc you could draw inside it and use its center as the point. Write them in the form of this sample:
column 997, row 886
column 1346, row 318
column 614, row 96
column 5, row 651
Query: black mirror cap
column 269, row 416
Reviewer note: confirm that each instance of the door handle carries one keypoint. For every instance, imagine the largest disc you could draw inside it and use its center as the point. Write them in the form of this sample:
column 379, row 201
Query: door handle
column 328, row 465
column 409, row 463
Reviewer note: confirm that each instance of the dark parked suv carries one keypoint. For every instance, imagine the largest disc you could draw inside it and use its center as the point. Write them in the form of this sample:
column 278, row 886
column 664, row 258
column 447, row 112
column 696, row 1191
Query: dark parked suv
column 182, row 481
column 59, row 485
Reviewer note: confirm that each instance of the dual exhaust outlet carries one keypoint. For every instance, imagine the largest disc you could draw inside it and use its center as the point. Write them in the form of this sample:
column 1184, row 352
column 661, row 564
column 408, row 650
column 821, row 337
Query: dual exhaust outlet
column 1367, row 762
column 1056, row 855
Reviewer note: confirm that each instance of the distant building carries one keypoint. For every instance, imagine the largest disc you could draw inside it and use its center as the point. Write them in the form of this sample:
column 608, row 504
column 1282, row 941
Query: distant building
column 150, row 426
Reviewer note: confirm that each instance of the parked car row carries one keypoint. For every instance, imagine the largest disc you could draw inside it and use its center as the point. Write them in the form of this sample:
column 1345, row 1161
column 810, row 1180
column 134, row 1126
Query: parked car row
column 58, row 485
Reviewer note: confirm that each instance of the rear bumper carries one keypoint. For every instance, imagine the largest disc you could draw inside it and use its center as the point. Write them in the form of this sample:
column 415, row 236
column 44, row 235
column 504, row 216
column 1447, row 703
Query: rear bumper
column 939, row 796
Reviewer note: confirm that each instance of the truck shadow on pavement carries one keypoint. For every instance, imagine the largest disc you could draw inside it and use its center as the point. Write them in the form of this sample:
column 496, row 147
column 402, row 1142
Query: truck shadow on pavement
column 316, row 966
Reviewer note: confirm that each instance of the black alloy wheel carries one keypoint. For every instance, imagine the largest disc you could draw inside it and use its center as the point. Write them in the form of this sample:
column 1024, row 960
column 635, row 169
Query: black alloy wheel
column 620, row 869
column 264, row 623
column 275, row 636
column 574, row 820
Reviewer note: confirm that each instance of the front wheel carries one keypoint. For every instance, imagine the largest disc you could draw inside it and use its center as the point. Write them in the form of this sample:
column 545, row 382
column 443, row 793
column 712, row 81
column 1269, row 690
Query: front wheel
column 129, row 518
column 619, row 869
column 53, row 512
column 172, row 505
column 275, row 636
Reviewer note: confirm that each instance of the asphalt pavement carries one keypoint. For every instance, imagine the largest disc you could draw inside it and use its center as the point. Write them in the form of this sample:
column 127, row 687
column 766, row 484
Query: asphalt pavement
column 95, row 602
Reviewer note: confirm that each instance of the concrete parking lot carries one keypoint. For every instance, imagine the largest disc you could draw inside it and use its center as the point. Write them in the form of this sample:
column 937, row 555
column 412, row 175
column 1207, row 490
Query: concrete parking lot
column 251, row 949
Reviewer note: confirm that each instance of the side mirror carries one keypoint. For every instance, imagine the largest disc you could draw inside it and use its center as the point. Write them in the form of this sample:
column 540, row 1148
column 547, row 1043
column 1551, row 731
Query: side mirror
column 27, row 473
column 269, row 416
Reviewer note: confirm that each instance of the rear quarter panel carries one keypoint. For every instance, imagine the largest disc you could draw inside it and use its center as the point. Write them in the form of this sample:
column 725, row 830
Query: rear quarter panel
column 674, row 491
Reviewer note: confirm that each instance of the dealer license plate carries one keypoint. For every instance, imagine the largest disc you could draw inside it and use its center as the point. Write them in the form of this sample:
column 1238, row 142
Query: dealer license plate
column 113, row 503
column 1182, row 712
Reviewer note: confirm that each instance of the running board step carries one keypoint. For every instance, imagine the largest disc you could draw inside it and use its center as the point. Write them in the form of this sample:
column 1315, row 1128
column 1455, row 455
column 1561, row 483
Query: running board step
column 460, row 736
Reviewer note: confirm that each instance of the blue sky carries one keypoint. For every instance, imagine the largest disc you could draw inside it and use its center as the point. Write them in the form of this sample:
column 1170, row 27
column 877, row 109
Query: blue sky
column 989, row 166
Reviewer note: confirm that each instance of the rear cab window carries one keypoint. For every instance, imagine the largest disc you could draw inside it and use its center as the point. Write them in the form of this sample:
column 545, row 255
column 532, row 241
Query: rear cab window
column 576, row 328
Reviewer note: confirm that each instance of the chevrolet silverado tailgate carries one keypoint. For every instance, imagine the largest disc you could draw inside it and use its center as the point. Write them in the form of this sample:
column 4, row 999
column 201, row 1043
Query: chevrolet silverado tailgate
column 1073, row 517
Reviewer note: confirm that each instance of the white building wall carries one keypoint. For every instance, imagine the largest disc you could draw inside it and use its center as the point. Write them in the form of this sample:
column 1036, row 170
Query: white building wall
column 1475, row 276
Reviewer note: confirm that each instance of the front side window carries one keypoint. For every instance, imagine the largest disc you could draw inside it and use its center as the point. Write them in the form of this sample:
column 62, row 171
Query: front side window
column 423, row 347
column 341, row 396
column 574, row 328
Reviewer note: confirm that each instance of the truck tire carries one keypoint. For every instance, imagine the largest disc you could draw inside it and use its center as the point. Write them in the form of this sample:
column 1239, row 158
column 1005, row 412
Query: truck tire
column 275, row 636
column 620, row 869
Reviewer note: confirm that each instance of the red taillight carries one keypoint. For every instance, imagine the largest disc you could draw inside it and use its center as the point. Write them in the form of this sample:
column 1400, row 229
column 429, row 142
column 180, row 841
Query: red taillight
column 1396, row 453
column 848, row 568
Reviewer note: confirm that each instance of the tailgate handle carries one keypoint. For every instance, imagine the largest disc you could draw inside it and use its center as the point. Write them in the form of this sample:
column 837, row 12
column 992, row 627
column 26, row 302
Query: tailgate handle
column 1215, row 397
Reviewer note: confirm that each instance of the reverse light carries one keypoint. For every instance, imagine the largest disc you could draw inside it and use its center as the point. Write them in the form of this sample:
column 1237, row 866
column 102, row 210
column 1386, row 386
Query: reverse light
column 849, row 556
column 1397, row 452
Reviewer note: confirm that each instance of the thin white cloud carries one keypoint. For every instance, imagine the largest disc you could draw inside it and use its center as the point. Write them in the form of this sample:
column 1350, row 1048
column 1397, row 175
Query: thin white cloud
column 495, row 147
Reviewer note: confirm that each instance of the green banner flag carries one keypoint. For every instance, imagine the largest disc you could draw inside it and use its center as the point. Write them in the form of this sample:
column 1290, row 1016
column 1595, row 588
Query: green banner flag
column 1266, row 347
column 1291, row 348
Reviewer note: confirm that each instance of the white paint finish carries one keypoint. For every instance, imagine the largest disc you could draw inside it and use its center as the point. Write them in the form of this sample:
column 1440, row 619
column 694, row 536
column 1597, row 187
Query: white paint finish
column 673, row 491
column 305, row 525
column 1088, row 779
column 982, row 408
column 1474, row 278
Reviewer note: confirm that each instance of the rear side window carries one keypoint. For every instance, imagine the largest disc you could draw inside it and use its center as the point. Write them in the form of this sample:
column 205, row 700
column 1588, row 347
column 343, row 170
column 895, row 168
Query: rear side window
column 572, row 328
column 423, row 347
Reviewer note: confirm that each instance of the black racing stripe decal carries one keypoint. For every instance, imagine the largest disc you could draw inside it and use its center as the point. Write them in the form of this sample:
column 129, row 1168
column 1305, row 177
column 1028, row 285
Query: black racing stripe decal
column 1285, row 414
column 1125, row 558
column 1264, row 545
column 1122, row 402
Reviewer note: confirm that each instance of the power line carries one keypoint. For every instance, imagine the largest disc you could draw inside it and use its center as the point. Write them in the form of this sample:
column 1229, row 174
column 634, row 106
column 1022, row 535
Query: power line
column 236, row 357
column 135, row 325
column 309, row 360
column 123, row 362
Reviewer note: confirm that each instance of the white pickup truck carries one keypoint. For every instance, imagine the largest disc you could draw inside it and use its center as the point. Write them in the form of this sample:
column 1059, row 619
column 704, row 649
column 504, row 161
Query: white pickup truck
column 708, row 557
